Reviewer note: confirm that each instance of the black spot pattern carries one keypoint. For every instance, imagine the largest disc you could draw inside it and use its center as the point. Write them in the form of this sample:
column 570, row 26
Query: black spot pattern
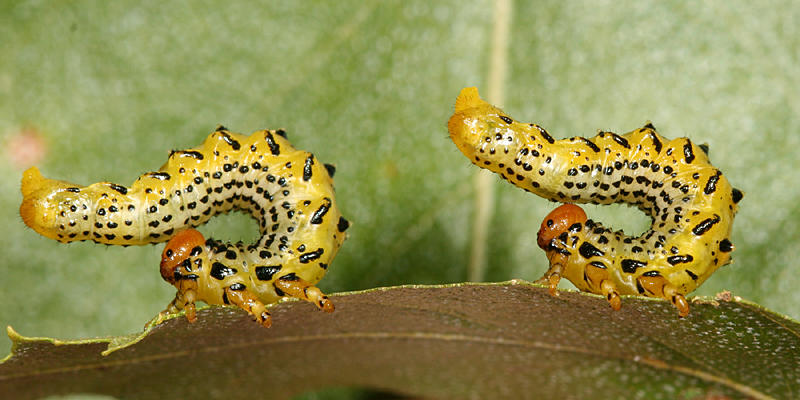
column 667, row 179
column 261, row 174
column 630, row 266
column 267, row 273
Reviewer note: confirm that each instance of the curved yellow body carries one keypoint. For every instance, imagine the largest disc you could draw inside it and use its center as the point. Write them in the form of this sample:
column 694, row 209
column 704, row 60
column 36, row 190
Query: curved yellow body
column 691, row 203
column 288, row 191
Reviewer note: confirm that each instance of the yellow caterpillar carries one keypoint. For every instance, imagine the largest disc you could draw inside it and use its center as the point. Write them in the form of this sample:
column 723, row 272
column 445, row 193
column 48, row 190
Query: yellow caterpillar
column 288, row 191
column 691, row 203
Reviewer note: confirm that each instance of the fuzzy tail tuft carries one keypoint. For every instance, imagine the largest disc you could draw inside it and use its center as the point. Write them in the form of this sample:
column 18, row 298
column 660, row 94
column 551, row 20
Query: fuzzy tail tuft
column 32, row 180
column 468, row 98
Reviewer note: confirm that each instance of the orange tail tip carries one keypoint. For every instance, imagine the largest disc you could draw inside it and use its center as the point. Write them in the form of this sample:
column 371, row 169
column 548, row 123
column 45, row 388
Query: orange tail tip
column 37, row 209
column 32, row 180
column 468, row 98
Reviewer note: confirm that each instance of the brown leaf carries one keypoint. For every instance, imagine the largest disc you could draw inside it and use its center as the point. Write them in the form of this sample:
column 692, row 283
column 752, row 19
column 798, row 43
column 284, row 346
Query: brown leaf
column 508, row 340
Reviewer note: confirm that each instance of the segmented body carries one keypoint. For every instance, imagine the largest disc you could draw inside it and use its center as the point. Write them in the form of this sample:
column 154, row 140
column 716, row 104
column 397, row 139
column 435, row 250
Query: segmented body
column 288, row 191
column 691, row 203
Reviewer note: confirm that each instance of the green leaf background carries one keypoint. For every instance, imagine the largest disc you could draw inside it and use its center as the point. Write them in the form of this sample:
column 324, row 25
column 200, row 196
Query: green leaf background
column 113, row 86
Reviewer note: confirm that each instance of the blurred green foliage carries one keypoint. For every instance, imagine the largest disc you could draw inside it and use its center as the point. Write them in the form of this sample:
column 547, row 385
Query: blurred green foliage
column 111, row 87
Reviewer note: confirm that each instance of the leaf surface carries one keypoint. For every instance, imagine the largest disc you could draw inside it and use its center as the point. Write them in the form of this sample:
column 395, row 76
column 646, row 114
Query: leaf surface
column 508, row 340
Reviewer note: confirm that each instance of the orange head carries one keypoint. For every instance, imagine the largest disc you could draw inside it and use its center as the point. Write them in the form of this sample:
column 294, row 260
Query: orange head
column 185, row 244
column 558, row 222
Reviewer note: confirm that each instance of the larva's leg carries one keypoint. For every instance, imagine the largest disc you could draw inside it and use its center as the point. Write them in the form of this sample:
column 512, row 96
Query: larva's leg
column 658, row 286
column 598, row 279
column 247, row 301
column 291, row 285
column 184, row 300
column 558, row 259
column 608, row 289
column 552, row 277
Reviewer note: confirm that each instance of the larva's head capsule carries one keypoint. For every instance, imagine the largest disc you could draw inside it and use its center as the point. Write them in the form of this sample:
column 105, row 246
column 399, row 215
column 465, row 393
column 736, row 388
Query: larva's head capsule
column 558, row 222
column 177, row 254
column 483, row 132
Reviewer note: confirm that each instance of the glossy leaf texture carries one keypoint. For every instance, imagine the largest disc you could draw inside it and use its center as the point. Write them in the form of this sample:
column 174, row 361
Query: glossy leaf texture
column 508, row 340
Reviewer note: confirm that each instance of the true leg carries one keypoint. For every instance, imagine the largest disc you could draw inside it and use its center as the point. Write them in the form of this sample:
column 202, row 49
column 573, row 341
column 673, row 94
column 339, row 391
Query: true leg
column 250, row 303
column 553, row 275
column 598, row 279
column 184, row 300
column 658, row 286
column 291, row 285
column 551, row 279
